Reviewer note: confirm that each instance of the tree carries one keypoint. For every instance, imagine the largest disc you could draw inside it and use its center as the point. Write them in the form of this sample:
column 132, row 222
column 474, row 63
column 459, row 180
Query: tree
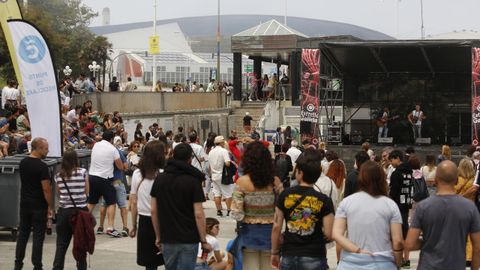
column 64, row 24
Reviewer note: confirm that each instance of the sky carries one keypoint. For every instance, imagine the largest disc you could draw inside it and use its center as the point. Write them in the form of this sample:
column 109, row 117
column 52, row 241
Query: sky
column 397, row 18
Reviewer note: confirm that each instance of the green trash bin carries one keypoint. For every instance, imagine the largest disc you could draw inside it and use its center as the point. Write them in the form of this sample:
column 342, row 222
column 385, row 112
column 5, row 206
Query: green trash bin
column 10, row 186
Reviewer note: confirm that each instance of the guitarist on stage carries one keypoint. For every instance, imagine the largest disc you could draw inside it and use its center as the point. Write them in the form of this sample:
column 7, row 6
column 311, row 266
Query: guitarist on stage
column 382, row 123
column 416, row 117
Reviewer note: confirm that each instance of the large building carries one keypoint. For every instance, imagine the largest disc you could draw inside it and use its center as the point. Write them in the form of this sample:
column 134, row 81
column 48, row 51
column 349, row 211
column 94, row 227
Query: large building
column 188, row 45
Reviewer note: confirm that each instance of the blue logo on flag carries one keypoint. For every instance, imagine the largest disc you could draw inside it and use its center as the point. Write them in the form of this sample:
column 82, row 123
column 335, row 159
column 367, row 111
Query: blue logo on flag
column 32, row 49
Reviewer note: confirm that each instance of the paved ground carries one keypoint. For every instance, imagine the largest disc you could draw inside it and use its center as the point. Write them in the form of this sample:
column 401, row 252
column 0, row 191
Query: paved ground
column 120, row 253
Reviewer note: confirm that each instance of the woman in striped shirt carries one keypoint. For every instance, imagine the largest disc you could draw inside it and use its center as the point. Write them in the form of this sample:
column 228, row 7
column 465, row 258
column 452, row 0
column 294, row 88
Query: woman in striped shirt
column 76, row 179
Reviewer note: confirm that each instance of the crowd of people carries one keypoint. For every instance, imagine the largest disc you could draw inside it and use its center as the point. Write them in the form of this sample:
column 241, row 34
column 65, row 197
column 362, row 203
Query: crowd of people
column 291, row 204
column 267, row 88
column 304, row 189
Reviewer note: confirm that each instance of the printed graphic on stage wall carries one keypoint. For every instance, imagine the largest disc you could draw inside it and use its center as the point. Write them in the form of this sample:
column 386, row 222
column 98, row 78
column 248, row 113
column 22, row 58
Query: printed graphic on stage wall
column 475, row 94
column 309, row 92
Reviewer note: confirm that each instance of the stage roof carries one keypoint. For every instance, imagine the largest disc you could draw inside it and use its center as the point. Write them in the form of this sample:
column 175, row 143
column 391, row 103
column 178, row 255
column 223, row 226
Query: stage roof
column 427, row 58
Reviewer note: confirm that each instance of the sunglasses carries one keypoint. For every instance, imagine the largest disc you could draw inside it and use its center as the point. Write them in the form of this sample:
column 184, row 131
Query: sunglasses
column 136, row 146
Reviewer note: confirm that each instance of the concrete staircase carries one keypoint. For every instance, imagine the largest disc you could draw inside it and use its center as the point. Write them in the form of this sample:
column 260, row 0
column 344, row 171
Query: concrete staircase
column 235, row 119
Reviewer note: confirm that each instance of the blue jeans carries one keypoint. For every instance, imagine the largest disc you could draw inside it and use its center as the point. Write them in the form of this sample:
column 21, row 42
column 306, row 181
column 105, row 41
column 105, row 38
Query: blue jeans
column 180, row 256
column 202, row 266
column 303, row 263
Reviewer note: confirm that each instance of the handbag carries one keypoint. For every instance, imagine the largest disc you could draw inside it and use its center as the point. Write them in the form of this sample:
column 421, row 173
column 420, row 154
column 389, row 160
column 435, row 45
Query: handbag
column 83, row 224
column 228, row 173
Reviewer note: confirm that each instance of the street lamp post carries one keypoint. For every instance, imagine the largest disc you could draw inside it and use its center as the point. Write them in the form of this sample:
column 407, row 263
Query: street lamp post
column 154, row 56
column 218, row 44
column 94, row 67
column 423, row 27
column 67, row 71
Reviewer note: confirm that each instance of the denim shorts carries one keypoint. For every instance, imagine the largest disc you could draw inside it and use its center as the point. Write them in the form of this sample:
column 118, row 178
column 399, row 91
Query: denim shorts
column 305, row 263
column 121, row 194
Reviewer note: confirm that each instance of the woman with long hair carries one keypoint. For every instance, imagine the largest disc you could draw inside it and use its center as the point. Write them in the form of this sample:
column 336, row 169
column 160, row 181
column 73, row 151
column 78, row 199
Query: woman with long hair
column 466, row 188
column 209, row 145
column 214, row 259
column 138, row 135
column 76, row 180
column 428, row 172
column 336, row 172
column 150, row 165
column 445, row 155
column 107, row 123
column 254, row 206
column 373, row 222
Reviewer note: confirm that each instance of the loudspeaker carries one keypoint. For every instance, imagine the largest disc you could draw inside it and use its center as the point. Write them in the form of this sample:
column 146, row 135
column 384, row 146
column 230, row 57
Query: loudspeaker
column 205, row 124
column 424, row 141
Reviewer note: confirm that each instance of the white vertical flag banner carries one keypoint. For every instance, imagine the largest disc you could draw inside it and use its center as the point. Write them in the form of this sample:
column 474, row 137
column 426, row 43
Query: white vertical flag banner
column 39, row 82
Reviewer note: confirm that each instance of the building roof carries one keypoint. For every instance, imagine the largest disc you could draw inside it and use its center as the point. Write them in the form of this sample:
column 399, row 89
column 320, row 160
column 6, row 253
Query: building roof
column 171, row 38
column 270, row 28
column 464, row 34
column 206, row 26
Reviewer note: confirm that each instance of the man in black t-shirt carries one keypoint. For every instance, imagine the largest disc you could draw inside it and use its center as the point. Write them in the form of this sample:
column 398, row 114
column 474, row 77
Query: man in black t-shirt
column 35, row 203
column 247, row 123
column 177, row 211
column 308, row 215
column 114, row 86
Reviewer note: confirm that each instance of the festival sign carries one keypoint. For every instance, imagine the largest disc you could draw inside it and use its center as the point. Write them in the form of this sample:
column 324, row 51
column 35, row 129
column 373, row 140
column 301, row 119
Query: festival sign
column 475, row 94
column 39, row 82
column 310, row 77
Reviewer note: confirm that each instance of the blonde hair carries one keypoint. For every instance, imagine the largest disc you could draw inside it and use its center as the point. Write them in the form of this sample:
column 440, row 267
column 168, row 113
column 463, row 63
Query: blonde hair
column 465, row 169
column 322, row 145
column 365, row 146
column 446, row 151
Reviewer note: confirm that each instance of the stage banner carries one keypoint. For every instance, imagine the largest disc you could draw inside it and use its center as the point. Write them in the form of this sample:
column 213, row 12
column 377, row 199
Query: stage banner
column 9, row 10
column 475, row 95
column 310, row 77
column 40, row 85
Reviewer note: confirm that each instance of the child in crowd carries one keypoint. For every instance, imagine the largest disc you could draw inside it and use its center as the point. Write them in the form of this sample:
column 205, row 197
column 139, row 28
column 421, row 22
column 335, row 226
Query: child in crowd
column 214, row 259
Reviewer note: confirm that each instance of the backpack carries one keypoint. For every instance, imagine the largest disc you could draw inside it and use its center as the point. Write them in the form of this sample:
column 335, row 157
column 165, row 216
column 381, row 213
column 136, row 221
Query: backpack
column 420, row 190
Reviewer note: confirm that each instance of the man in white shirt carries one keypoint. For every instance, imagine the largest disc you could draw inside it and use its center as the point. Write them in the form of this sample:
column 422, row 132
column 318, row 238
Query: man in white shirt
column 294, row 152
column 10, row 94
column 218, row 158
column 104, row 157
column 73, row 115
column 130, row 86
column 211, row 86
column 198, row 152
column 416, row 117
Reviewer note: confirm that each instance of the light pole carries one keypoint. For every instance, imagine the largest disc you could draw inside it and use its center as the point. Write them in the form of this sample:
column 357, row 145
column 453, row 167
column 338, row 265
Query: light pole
column 423, row 27
column 94, row 67
column 154, row 56
column 285, row 18
column 67, row 71
column 218, row 44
